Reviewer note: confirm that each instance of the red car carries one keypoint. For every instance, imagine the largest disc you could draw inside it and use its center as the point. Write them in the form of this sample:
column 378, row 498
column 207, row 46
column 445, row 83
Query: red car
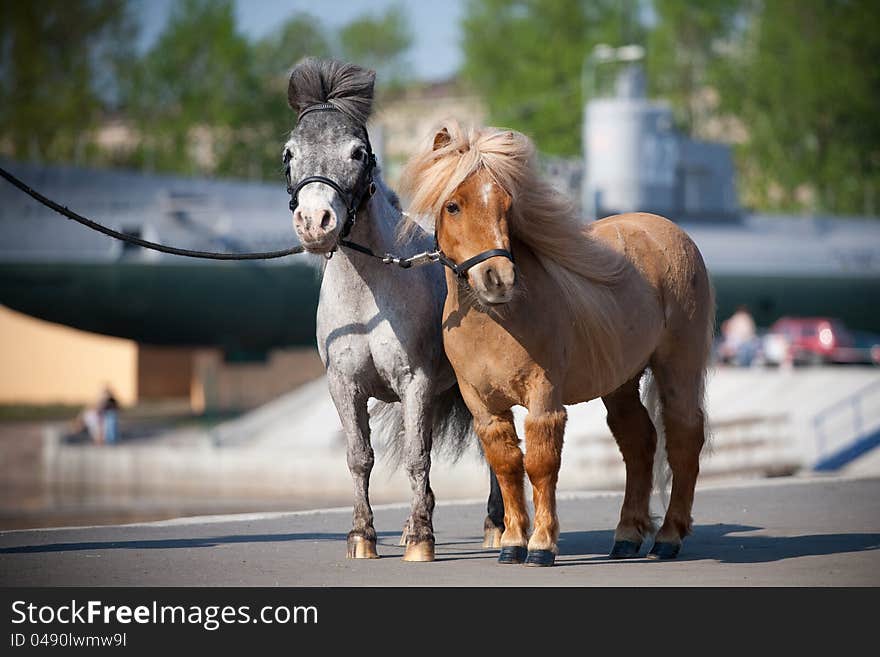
column 816, row 340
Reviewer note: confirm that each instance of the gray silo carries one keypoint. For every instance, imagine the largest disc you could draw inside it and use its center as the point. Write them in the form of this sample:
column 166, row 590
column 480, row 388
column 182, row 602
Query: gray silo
column 635, row 160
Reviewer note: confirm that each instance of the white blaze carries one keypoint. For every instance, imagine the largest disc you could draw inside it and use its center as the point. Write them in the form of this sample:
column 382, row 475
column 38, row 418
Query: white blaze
column 487, row 189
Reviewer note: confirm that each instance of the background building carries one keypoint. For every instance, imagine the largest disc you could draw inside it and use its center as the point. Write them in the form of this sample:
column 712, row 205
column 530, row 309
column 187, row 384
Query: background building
column 406, row 118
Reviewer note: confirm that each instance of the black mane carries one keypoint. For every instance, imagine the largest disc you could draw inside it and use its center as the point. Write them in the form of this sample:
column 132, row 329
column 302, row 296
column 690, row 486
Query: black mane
column 346, row 86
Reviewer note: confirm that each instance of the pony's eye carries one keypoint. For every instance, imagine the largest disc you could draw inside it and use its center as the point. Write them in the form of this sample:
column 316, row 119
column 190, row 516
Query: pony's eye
column 452, row 208
column 359, row 154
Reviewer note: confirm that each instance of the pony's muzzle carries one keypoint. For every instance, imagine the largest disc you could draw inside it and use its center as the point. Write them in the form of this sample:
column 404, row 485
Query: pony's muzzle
column 315, row 225
column 493, row 280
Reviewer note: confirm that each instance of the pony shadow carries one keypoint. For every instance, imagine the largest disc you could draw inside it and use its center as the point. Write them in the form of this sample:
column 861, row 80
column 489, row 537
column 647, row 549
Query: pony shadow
column 465, row 550
column 724, row 544
column 360, row 328
column 176, row 543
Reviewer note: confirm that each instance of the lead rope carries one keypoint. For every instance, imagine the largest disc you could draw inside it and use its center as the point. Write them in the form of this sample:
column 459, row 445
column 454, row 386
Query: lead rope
column 388, row 258
column 131, row 239
column 417, row 260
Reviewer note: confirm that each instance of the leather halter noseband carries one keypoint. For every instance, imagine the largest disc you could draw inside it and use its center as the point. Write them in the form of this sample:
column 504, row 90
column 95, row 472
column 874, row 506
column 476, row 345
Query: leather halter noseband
column 364, row 188
column 461, row 270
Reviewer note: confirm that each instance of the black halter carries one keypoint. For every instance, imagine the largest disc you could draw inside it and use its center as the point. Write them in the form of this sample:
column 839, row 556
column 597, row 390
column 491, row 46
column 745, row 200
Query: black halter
column 364, row 187
column 461, row 270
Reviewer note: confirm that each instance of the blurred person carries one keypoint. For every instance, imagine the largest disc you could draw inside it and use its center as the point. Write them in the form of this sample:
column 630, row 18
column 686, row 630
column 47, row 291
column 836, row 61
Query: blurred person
column 739, row 337
column 101, row 421
column 108, row 411
column 90, row 422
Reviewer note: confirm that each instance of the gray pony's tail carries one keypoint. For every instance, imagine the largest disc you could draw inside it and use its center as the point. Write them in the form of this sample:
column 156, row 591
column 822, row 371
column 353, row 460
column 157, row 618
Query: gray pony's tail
column 650, row 394
column 651, row 402
column 452, row 427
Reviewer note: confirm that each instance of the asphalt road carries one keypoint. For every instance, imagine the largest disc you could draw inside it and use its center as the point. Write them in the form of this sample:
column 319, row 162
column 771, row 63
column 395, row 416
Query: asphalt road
column 783, row 532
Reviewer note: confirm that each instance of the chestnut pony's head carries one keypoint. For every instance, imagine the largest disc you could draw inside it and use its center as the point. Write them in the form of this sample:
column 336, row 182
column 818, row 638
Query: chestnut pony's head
column 466, row 183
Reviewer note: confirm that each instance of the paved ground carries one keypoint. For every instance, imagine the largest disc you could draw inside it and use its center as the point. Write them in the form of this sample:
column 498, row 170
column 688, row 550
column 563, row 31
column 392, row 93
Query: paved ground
column 785, row 532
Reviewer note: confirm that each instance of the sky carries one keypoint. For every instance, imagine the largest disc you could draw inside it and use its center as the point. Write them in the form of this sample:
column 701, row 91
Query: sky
column 435, row 54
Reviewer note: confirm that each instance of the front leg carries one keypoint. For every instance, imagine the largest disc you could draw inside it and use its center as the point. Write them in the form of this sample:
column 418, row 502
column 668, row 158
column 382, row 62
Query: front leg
column 544, row 433
column 417, row 423
column 497, row 434
column 352, row 408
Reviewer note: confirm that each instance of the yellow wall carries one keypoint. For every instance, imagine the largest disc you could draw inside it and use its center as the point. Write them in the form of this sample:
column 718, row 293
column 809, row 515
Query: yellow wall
column 45, row 363
column 217, row 385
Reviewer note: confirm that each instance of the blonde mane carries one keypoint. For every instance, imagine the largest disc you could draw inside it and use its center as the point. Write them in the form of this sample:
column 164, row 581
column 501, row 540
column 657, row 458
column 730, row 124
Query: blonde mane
column 542, row 218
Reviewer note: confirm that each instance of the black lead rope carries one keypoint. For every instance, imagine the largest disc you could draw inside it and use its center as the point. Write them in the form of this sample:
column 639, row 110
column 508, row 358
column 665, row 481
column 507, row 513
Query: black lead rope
column 424, row 258
column 405, row 263
column 131, row 239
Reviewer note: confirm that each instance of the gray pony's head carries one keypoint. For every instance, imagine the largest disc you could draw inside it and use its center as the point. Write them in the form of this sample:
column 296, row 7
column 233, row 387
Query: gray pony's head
column 327, row 143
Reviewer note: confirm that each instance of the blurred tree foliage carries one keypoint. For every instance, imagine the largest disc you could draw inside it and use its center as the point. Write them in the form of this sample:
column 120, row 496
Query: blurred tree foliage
column 376, row 41
column 526, row 59
column 301, row 35
column 799, row 76
column 682, row 52
column 530, row 57
column 60, row 62
column 206, row 99
column 805, row 82
column 197, row 77
column 202, row 99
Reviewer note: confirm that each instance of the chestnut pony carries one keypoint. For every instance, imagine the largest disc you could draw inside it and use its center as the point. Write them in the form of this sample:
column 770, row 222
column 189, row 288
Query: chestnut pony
column 583, row 313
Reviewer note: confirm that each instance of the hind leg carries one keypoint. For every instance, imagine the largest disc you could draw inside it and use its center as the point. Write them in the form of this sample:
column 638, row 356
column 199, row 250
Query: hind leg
column 683, row 421
column 637, row 439
column 493, row 527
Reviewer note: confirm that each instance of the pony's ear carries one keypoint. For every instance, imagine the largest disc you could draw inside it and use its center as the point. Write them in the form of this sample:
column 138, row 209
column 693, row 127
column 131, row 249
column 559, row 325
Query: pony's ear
column 441, row 139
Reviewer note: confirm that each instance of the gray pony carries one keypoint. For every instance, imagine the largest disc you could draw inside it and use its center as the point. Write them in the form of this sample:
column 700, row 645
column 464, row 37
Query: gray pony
column 378, row 326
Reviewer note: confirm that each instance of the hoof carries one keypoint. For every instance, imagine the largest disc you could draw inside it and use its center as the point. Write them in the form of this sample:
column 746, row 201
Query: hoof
column 512, row 554
column 625, row 550
column 492, row 538
column 361, row 548
column 664, row 551
column 423, row 551
column 541, row 558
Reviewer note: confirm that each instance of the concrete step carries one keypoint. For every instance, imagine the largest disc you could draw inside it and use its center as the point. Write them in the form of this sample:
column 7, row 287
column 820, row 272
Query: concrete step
column 760, row 425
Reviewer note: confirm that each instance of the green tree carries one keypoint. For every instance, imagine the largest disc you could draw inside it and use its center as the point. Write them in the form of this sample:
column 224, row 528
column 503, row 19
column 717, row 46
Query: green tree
column 274, row 55
column 199, row 73
column 683, row 51
column 205, row 83
column 806, row 85
column 379, row 42
column 526, row 59
column 59, row 67
column 301, row 35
